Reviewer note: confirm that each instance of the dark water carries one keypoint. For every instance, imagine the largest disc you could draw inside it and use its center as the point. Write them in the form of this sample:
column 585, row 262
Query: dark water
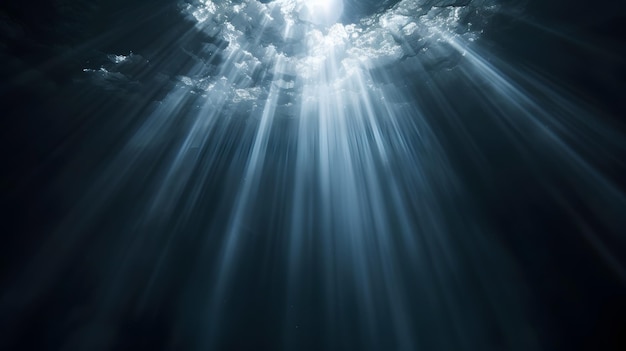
column 77, row 270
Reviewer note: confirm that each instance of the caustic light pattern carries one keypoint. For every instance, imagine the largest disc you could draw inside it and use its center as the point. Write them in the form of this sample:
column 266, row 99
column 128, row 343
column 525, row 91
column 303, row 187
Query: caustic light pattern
column 315, row 156
column 295, row 44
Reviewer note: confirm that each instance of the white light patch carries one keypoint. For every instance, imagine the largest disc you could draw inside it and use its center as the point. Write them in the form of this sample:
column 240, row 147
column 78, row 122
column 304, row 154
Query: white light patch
column 322, row 12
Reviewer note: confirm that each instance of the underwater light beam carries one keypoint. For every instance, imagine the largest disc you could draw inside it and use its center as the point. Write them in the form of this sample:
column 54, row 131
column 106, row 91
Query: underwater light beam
column 307, row 159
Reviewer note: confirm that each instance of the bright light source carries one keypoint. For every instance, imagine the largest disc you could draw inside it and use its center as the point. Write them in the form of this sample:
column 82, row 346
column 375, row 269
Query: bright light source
column 322, row 12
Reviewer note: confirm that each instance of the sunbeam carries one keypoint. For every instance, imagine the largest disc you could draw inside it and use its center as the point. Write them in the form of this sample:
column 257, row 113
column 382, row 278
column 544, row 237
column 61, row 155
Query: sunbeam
column 311, row 175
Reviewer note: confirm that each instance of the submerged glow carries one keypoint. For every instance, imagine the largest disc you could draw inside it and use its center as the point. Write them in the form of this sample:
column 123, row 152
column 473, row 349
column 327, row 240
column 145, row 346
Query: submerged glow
column 323, row 163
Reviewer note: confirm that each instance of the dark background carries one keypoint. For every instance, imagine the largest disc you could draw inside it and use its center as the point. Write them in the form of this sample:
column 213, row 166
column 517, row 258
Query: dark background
column 52, row 116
